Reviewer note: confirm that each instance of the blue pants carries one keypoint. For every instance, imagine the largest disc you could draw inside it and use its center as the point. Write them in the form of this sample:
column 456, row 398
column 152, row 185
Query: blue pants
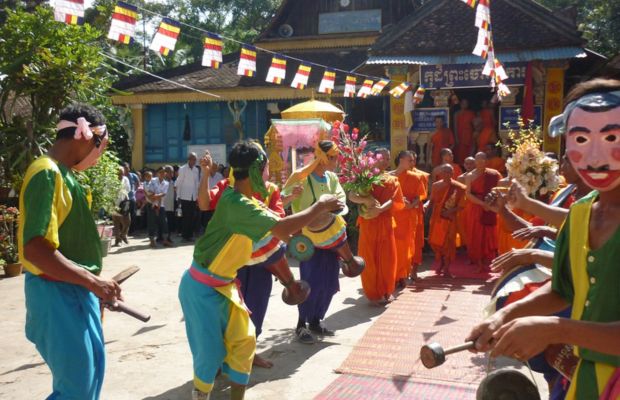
column 64, row 322
column 321, row 272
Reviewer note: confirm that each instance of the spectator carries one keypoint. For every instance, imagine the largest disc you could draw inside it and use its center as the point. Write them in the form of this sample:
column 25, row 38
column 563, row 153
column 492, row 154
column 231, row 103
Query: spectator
column 121, row 216
column 169, row 201
column 187, row 193
column 156, row 212
column 134, row 182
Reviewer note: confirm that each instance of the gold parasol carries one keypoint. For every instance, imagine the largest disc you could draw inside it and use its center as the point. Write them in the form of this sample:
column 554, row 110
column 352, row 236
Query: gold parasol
column 314, row 109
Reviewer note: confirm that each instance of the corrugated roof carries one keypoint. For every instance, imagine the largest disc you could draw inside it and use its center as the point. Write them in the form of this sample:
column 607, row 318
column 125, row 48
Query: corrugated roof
column 559, row 53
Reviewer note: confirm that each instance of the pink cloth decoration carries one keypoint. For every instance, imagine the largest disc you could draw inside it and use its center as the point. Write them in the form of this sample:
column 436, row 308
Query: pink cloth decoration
column 82, row 128
column 297, row 136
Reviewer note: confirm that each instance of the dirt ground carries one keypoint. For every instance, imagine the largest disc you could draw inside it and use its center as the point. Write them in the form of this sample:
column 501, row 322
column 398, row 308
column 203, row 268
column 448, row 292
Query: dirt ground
column 152, row 360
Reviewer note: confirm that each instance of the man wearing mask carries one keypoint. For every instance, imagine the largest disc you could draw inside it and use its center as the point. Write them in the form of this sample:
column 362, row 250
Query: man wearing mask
column 187, row 193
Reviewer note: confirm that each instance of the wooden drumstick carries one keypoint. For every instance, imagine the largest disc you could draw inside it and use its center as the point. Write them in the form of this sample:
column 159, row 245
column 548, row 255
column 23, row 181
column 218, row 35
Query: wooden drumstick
column 433, row 355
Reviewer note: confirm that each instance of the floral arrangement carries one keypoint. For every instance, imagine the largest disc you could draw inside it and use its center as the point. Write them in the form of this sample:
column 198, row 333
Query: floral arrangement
column 8, row 233
column 528, row 165
column 357, row 169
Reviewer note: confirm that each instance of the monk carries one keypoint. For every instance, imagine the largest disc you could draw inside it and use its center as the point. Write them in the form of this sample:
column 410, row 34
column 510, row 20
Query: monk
column 464, row 131
column 377, row 243
column 461, row 221
column 419, row 233
column 442, row 138
column 447, row 197
column 446, row 158
column 407, row 218
column 485, row 135
column 505, row 240
column 494, row 161
column 481, row 220
column 487, row 115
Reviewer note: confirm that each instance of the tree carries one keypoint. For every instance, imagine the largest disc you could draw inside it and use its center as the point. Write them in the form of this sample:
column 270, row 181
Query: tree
column 599, row 20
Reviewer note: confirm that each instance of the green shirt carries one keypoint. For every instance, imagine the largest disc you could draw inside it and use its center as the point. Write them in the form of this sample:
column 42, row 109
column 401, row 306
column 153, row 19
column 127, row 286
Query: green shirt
column 53, row 205
column 314, row 186
column 238, row 221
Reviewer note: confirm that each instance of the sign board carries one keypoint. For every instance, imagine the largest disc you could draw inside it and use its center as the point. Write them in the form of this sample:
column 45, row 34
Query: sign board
column 350, row 21
column 451, row 76
column 424, row 118
column 511, row 114
column 218, row 151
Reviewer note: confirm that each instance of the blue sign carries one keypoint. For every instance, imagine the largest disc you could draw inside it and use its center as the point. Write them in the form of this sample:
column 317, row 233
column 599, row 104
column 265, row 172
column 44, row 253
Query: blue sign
column 450, row 76
column 510, row 115
column 350, row 21
column 424, row 118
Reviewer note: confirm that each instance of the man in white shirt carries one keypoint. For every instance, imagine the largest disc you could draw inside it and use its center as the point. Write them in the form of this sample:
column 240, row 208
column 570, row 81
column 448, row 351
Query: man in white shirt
column 169, row 201
column 156, row 212
column 122, row 217
column 187, row 193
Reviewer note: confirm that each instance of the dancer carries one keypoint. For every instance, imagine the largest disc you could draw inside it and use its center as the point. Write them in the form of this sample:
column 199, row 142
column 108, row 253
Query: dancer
column 217, row 322
column 60, row 248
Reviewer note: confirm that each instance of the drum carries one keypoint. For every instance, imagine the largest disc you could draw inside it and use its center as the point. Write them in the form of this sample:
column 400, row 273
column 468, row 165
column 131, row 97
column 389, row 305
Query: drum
column 267, row 250
column 507, row 384
column 327, row 232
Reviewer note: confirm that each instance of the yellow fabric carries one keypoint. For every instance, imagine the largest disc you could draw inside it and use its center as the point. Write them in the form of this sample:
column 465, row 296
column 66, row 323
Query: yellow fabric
column 240, row 341
column 603, row 375
column 328, row 235
column 320, row 158
column 61, row 206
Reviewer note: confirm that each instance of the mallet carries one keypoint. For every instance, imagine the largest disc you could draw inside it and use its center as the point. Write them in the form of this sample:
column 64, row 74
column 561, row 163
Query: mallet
column 433, row 355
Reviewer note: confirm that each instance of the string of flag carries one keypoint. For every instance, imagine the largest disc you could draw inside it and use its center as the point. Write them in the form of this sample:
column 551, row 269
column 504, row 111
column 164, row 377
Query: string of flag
column 484, row 48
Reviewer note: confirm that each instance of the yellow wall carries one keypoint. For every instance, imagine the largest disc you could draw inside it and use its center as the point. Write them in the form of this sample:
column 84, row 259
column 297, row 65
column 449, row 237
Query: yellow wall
column 554, row 95
column 398, row 127
column 137, row 150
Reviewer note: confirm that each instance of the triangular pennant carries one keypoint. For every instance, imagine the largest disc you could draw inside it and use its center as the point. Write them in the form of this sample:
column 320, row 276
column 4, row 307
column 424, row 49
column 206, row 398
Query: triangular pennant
column 327, row 83
column 123, row 26
column 212, row 55
column 277, row 71
column 365, row 89
column 400, row 89
column 471, row 3
column 69, row 11
column 247, row 60
column 166, row 36
column 349, row 86
column 378, row 87
column 482, row 46
column 301, row 77
column 418, row 96
column 499, row 70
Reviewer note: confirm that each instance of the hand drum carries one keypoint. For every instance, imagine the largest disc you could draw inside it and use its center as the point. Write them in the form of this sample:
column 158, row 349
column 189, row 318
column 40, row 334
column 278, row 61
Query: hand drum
column 301, row 248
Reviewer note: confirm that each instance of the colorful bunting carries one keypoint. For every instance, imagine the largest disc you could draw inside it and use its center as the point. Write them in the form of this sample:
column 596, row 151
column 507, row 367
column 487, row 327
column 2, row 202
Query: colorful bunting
column 166, row 36
column 482, row 46
column 400, row 89
column 277, row 71
column 247, row 60
column 378, row 87
column 471, row 3
column 365, row 89
column 483, row 14
column 69, row 11
column 301, row 77
column 349, row 86
column 212, row 55
column 123, row 26
column 419, row 95
column 327, row 83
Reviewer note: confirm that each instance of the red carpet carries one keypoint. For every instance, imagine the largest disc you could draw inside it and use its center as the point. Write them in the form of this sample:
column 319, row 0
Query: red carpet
column 385, row 363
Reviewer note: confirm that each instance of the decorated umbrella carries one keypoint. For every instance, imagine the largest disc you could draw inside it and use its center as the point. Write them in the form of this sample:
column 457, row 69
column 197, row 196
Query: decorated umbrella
column 314, row 109
column 299, row 133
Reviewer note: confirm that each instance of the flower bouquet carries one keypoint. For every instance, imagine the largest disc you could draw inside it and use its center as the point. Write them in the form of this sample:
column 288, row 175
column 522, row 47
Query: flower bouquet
column 528, row 165
column 357, row 169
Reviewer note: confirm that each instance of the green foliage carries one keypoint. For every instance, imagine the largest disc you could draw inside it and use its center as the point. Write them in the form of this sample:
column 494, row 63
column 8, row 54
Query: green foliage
column 102, row 182
column 598, row 19
column 8, row 234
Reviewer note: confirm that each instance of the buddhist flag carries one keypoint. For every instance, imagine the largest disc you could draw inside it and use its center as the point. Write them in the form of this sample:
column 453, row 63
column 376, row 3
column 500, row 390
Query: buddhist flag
column 471, row 3
column 349, row 86
column 502, row 90
column 212, row 55
column 400, row 89
column 166, row 36
column 365, row 89
column 378, row 87
column 247, row 61
column 327, row 83
column 483, row 14
column 123, row 26
column 301, row 77
column 499, row 70
column 419, row 95
column 277, row 71
column 482, row 46
column 69, row 11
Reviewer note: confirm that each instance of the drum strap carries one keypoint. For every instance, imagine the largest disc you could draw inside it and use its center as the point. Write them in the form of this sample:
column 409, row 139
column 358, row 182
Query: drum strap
column 312, row 190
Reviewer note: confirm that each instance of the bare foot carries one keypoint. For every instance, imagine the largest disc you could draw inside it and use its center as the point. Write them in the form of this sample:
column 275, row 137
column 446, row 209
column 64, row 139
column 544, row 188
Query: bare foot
column 261, row 362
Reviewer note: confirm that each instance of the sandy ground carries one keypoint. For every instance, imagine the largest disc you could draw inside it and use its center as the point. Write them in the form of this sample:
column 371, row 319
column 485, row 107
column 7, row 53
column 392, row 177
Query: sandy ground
column 152, row 360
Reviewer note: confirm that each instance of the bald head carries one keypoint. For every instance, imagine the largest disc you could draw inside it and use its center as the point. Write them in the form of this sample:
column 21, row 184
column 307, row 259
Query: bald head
column 481, row 160
column 446, row 171
column 470, row 164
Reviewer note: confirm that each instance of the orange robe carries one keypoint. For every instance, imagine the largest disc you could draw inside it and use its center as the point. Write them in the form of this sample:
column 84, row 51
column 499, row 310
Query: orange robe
column 481, row 224
column 406, row 223
column 442, row 231
column 377, row 244
column 419, row 233
column 465, row 134
column 498, row 164
column 441, row 139
column 505, row 241
column 488, row 120
column 485, row 138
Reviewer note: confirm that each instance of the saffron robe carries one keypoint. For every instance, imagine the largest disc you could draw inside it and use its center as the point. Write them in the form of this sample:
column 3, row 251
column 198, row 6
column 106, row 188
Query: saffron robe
column 377, row 244
column 441, row 139
column 481, row 224
column 406, row 223
column 465, row 134
column 419, row 229
column 442, row 231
